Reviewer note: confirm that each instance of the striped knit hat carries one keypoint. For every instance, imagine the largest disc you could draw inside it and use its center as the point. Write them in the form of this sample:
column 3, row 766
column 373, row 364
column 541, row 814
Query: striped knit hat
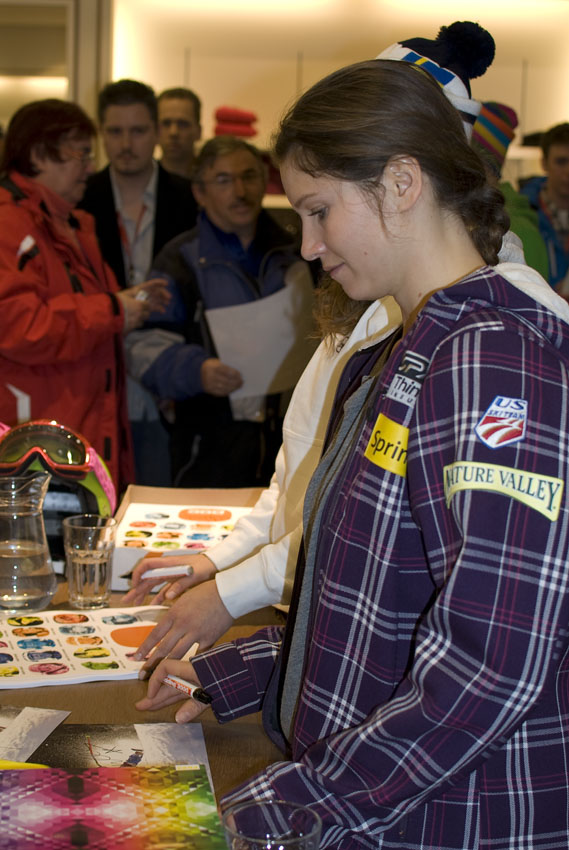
column 459, row 53
column 492, row 133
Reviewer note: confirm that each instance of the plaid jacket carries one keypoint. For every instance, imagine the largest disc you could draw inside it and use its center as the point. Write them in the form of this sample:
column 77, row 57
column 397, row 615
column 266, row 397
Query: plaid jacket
column 434, row 702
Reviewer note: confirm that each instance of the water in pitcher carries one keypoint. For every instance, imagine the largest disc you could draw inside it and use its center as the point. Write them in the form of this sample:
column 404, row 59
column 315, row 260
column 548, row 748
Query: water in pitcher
column 27, row 579
column 25, row 584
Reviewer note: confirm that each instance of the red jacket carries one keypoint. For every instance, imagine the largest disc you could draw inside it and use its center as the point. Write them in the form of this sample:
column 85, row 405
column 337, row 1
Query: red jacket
column 61, row 353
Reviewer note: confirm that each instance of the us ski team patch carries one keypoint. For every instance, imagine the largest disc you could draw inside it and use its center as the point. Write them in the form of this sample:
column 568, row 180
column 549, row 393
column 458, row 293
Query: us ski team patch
column 503, row 423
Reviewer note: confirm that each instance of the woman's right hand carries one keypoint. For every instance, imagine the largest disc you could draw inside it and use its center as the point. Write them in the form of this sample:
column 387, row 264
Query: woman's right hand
column 202, row 569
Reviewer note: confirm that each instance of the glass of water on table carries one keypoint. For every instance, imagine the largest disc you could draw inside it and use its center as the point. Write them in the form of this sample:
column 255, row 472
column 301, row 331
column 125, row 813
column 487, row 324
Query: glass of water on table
column 271, row 825
column 89, row 541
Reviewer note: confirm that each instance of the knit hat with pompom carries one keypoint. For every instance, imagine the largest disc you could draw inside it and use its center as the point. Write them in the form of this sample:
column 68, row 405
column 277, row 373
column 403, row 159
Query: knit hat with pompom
column 492, row 133
column 459, row 53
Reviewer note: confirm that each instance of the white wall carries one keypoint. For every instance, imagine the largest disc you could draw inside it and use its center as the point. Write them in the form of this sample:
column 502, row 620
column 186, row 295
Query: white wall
column 53, row 48
column 258, row 54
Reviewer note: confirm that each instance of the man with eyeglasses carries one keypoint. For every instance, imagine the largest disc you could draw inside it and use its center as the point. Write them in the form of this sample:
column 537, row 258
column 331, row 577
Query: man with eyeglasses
column 236, row 254
column 138, row 206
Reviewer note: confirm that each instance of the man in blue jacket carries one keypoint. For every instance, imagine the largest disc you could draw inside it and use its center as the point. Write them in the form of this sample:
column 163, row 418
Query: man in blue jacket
column 549, row 195
column 235, row 255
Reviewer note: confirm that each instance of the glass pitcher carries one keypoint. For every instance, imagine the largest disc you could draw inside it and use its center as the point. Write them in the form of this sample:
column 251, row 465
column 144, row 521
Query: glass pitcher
column 27, row 579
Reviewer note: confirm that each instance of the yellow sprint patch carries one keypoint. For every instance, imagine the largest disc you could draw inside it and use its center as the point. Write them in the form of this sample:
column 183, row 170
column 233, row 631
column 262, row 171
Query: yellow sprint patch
column 387, row 446
column 541, row 492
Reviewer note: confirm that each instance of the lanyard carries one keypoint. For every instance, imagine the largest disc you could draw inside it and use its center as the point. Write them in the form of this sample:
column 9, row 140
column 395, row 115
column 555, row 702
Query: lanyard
column 126, row 244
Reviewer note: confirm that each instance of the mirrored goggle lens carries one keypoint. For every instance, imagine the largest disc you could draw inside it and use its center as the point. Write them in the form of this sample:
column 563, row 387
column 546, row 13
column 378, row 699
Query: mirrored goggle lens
column 60, row 446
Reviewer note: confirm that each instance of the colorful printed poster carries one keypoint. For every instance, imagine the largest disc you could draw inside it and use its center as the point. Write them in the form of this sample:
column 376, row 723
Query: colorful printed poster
column 109, row 808
column 66, row 647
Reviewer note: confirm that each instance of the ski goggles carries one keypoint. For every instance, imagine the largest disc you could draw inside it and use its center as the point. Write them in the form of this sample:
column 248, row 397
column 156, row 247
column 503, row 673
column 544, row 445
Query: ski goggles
column 45, row 444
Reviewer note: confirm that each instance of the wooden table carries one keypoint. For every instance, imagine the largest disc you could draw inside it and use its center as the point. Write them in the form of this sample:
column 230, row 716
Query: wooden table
column 235, row 750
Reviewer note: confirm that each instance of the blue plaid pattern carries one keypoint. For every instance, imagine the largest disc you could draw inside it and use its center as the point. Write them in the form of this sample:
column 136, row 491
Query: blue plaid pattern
column 434, row 707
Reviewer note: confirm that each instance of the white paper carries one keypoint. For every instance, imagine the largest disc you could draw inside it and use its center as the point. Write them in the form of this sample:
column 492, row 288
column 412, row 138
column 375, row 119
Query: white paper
column 172, row 743
column 267, row 340
column 25, row 732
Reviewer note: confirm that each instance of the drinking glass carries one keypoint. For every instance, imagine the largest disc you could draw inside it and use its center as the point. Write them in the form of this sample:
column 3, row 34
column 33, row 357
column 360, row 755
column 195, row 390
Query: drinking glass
column 89, row 541
column 271, row 825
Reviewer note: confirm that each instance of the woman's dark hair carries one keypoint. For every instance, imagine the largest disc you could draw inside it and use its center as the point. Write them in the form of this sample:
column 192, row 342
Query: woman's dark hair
column 351, row 123
column 42, row 125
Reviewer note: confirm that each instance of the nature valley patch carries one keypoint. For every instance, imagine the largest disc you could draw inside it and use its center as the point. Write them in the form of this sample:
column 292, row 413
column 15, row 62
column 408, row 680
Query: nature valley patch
column 540, row 492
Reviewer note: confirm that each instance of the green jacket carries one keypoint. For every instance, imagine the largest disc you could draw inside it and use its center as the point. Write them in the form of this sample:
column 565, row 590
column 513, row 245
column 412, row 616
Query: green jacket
column 523, row 222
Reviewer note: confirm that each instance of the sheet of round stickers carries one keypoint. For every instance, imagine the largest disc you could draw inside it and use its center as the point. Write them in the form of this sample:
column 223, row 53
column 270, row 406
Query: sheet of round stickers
column 54, row 647
column 175, row 528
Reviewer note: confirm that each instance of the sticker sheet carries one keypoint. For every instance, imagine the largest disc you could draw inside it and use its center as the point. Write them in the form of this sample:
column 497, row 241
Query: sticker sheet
column 164, row 529
column 66, row 647
column 109, row 808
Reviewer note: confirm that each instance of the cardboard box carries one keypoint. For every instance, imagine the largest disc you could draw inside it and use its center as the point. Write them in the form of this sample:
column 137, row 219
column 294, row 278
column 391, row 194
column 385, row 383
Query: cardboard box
column 125, row 558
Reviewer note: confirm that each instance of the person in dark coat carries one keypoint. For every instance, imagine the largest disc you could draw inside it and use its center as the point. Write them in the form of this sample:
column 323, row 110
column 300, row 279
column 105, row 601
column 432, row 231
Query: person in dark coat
column 138, row 206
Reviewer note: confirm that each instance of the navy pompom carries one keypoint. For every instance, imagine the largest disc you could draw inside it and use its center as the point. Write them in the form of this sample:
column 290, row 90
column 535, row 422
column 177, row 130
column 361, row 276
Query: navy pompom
column 469, row 44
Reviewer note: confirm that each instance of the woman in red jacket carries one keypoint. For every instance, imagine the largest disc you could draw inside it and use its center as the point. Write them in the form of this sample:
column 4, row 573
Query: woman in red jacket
column 61, row 314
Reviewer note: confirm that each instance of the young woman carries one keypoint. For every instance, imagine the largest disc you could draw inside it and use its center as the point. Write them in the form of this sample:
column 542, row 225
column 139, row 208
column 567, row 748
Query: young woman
column 421, row 688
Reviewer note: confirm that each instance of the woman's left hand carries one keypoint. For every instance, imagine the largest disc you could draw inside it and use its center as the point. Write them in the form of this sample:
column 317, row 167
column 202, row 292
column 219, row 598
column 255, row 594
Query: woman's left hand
column 154, row 292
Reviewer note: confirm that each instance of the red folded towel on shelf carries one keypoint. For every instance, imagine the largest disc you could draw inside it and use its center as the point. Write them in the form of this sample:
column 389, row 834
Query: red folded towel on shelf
column 233, row 115
column 234, row 130
column 232, row 121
